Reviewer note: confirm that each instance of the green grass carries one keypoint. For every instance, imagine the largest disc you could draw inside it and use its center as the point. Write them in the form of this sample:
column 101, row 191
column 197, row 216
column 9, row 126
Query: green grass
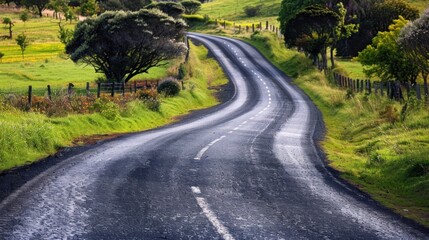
column 232, row 10
column 45, row 62
column 390, row 161
column 27, row 137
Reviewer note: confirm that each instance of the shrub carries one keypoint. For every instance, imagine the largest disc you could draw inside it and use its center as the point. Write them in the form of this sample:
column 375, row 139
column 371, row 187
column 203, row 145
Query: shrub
column 150, row 98
column 106, row 108
column 169, row 87
column 182, row 71
column 253, row 11
column 191, row 6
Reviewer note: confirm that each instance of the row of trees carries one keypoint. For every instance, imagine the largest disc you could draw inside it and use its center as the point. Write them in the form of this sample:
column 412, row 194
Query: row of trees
column 395, row 52
column 370, row 16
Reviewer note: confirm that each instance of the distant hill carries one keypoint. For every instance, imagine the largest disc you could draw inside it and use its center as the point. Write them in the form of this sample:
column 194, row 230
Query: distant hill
column 233, row 9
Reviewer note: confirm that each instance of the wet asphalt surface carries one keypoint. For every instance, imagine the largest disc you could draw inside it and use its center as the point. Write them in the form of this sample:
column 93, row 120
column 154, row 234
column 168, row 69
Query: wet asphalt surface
column 247, row 169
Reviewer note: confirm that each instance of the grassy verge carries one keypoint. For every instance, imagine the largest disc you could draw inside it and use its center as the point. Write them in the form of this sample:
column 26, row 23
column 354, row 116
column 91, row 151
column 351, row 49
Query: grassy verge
column 376, row 147
column 26, row 137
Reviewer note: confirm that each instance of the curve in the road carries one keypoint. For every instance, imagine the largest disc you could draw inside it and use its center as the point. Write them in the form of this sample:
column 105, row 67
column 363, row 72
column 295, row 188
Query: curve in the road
column 247, row 169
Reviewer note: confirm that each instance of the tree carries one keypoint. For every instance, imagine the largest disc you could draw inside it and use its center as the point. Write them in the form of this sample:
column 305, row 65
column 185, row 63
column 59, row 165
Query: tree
column 40, row 5
column 312, row 31
column 124, row 44
column 88, row 7
column 385, row 59
column 289, row 8
column 129, row 5
column 413, row 39
column 65, row 35
column 24, row 16
column 171, row 8
column 252, row 11
column 22, row 42
column 342, row 30
column 191, row 6
column 8, row 22
column 372, row 17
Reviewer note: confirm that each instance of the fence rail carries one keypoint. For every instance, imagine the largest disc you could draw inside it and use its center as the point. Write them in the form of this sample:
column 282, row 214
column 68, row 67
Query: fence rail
column 98, row 89
column 392, row 89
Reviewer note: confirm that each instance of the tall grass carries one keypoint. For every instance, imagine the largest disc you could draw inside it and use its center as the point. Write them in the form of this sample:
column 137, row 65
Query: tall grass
column 26, row 137
column 375, row 143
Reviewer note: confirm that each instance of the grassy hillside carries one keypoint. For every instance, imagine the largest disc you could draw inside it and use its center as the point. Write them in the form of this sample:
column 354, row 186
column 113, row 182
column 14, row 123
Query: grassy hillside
column 233, row 9
column 44, row 61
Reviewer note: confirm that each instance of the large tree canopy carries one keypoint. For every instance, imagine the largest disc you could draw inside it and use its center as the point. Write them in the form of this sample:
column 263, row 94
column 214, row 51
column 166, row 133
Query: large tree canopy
column 40, row 5
column 171, row 8
column 414, row 39
column 384, row 58
column 124, row 44
column 312, row 31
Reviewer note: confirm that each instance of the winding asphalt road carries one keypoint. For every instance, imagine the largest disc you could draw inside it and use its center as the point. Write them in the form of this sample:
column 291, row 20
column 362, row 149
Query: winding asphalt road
column 247, row 169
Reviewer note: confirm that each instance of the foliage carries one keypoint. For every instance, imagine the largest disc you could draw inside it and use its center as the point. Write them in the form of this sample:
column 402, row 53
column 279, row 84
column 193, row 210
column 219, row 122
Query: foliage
column 169, row 87
column 311, row 30
column 342, row 30
column 413, row 38
column 129, row 5
column 40, row 5
column 372, row 17
column 289, row 8
column 106, row 108
column 22, row 42
column 8, row 22
column 88, row 7
column 182, row 72
column 191, row 6
column 385, row 59
column 65, row 34
column 24, row 16
column 253, row 11
column 124, row 44
column 172, row 9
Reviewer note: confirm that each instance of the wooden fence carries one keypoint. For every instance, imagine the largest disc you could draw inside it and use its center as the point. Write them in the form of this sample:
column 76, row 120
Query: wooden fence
column 100, row 87
column 391, row 89
column 261, row 26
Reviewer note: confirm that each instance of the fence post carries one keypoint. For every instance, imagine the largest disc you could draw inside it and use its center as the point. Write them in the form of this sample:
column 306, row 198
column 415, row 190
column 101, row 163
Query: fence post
column 157, row 83
column 30, row 95
column 253, row 27
column 135, row 86
column 49, row 92
column 369, row 86
column 69, row 89
column 87, row 89
column 260, row 26
column 123, row 88
column 418, row 94
column 224, row 24
column 407, row 88
column 376, row 86
column 98, row 89
column 112, row 93
column 425, row 86
column 266, row 25
column 389, row 90
column 381, row 88
column 239, row 28
column 247, row 28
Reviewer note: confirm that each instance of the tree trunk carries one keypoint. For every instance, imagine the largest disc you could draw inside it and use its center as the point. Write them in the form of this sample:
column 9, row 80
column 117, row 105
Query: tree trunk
column 332, row 57
column 10, row 31
column 324, row 58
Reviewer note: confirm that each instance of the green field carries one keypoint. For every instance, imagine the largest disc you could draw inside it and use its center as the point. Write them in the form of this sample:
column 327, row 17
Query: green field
column 45, row 62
